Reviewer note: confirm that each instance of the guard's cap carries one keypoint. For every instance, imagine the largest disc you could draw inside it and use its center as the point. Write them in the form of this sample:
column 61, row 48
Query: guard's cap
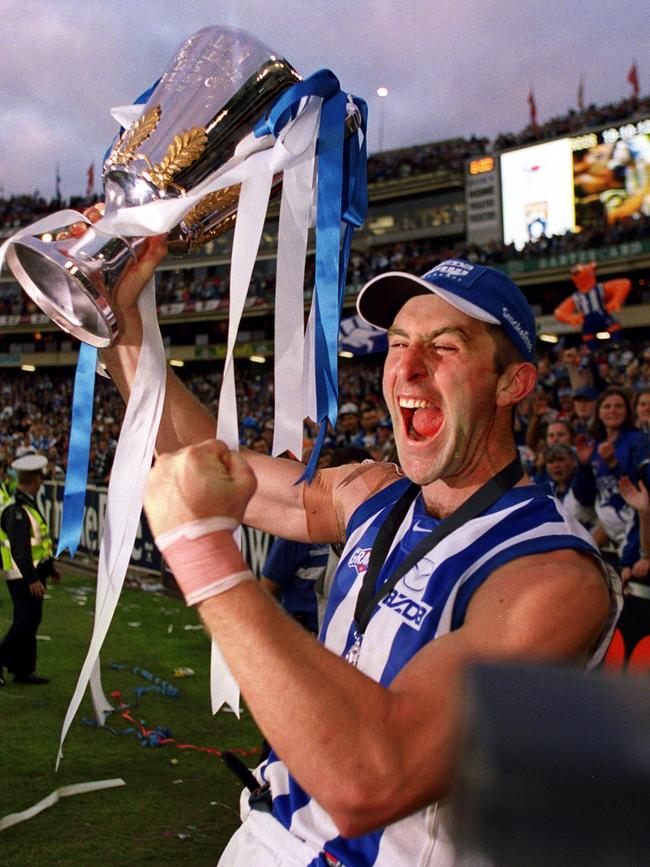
column 30, row 463
column 480, row 291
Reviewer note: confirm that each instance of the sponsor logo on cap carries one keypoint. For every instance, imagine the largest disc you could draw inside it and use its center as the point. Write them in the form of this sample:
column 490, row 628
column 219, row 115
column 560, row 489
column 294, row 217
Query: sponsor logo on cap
column 451, row 268
column 518, row 327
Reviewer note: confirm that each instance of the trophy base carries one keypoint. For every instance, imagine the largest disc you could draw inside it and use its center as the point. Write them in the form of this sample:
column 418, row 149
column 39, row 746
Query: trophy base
column 74, row 300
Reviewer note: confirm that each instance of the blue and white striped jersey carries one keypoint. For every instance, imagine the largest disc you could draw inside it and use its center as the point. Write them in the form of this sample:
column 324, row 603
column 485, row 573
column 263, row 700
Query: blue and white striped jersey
column 429, row 601
column 592, row 301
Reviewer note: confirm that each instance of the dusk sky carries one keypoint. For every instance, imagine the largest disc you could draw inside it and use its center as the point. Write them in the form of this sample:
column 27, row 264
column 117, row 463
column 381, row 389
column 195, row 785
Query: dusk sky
column 451, row 68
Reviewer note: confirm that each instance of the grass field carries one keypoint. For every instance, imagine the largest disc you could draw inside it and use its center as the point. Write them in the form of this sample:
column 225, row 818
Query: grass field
column 178, row 806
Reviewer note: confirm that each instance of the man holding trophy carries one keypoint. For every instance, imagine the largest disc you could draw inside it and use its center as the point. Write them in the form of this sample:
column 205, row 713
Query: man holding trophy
column 365, row 729
column 450, row 559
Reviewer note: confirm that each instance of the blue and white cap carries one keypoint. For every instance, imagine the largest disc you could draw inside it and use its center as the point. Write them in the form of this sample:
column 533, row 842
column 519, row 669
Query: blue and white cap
column 480, row 291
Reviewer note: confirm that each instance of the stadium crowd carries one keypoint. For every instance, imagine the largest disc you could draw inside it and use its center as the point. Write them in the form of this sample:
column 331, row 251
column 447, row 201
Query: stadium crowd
column 190, row 289
column 568, row 410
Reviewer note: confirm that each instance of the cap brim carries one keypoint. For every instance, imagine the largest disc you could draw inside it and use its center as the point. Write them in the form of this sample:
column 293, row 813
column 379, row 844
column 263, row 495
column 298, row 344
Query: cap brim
column 382, row 297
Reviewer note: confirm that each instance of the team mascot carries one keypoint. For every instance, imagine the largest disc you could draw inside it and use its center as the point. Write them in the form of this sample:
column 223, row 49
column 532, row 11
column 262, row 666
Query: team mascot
column 593, row 305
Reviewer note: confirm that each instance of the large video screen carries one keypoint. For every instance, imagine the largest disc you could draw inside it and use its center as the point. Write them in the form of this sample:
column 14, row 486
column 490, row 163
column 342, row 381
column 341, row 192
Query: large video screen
column 581, row 183
column 536, row 192
column 611, row 171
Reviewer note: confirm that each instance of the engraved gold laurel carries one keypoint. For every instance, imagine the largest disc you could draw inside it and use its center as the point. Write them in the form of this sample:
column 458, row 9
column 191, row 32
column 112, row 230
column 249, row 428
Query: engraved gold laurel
column 185, row 148
column 134, row 136
column 219, row 200
column 207, row 235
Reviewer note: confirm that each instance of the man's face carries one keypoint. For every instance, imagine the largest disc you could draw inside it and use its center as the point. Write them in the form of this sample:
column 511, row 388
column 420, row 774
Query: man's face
column 349, row 422
column 442, row 360
column 560, row 468
column 584, row 409
column 558, row 433
column 570, row 356
column 369, row 420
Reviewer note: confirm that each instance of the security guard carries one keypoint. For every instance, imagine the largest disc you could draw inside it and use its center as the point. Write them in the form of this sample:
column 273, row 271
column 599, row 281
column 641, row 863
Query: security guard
column 26, row 548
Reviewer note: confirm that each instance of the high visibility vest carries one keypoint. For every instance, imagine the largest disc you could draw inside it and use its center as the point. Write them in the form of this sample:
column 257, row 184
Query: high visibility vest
column 5, row 494
column 41, row 541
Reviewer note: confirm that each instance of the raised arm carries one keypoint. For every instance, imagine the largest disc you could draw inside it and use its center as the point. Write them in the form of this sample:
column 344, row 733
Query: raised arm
column 279, row 506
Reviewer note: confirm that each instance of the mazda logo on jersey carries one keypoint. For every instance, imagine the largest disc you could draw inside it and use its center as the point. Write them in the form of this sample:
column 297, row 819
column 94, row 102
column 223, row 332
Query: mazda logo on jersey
column 412, row 612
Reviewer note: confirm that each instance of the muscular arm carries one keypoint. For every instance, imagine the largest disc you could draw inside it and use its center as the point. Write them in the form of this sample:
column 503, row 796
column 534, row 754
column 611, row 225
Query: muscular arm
column 400, row 743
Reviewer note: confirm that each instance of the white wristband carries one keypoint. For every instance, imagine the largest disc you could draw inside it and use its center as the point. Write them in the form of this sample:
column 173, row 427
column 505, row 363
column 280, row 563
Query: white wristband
column 195, row 529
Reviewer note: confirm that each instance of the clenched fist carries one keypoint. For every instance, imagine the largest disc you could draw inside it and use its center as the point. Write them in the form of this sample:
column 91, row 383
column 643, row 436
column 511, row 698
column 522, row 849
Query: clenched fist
column 199, row 481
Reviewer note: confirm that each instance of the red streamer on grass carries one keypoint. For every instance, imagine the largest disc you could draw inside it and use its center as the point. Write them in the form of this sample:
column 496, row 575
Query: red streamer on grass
column 145, row 732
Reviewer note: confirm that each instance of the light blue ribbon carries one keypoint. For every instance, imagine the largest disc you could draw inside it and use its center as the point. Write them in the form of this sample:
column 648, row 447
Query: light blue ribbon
column 76, row 478
column 342, row 197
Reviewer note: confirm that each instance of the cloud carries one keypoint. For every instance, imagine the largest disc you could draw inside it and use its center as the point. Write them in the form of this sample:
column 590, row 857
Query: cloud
column 451, row 68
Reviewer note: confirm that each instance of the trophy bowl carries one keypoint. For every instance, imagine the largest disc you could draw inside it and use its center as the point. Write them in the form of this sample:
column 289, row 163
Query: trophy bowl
column 217, row 87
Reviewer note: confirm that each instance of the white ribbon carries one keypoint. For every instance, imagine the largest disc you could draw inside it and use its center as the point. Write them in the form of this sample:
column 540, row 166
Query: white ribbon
column 54, row 797
column 295, row 219
column 133, row 458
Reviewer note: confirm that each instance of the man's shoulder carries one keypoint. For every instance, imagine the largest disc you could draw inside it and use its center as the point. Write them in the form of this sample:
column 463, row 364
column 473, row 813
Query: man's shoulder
column 554, row 603
column 358, row 482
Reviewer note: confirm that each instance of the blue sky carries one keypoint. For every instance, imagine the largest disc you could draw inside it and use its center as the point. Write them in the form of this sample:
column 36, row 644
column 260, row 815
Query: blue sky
column 451, row 68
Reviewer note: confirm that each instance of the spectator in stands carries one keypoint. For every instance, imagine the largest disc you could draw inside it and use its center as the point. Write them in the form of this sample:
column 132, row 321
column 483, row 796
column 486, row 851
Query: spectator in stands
column 369, row 421
column 565, row 402
column 577, row 365
column 642, row 410
column 541, row 414
column 267, row 434
column 561, row 464
column 615, row 450
column 349, row 425
column 559, row 431
column 584, row 408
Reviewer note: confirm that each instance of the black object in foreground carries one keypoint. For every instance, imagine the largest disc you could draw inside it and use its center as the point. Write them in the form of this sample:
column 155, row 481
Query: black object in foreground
column 554, row 769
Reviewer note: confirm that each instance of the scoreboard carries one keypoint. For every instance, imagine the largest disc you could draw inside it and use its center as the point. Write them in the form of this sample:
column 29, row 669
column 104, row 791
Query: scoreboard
column 569, row 184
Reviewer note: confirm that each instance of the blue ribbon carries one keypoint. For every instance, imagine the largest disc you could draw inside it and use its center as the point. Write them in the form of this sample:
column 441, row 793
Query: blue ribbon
column 74, row 492
column 342, row 198
column 322, row 83
column 76, row 479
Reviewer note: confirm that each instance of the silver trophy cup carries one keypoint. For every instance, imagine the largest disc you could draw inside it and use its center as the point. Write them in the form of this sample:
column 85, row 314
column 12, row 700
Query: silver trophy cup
column 216, row 88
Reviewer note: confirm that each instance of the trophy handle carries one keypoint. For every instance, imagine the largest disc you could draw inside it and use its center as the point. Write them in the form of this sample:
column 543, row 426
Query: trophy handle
column 80, row 275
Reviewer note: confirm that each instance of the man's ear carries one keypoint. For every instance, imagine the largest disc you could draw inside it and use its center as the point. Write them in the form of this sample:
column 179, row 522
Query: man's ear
column 515, row 383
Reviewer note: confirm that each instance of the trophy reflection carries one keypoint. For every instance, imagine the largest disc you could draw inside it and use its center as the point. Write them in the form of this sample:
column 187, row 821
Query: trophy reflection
column 216, row 88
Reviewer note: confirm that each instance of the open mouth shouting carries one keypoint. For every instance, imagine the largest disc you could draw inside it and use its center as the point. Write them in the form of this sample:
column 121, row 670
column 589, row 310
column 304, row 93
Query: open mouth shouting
column 422, row 419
